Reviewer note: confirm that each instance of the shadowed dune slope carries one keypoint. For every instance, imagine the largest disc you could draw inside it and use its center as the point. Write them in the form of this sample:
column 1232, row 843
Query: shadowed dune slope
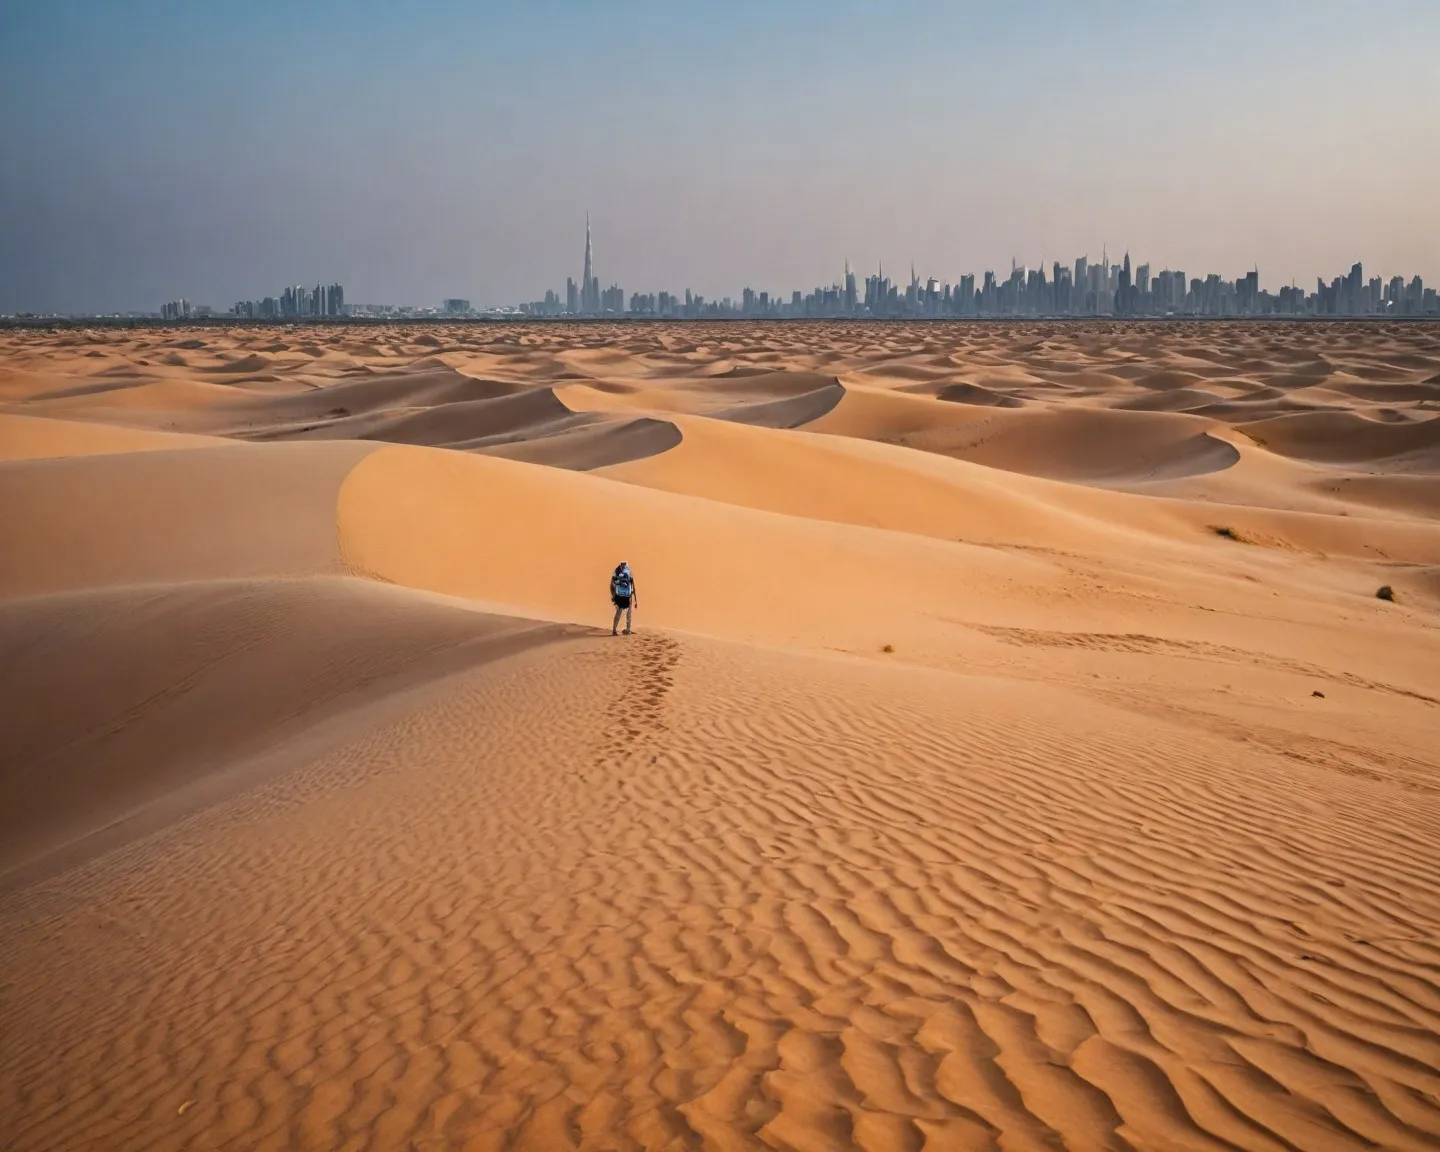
column 1091, row 446
column 598, row 444
column 378, row 391
column 1170, row 400
column 1349, row 438
column 434, row 407
column 869, row 413
column 763, row 382
column 789, row 412
column 963, row 393
column 122, row 696
column 227, row 408
column 458, row 424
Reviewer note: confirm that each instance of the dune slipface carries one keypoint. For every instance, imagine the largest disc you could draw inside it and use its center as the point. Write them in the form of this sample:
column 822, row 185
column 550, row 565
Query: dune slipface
column 1013, row 753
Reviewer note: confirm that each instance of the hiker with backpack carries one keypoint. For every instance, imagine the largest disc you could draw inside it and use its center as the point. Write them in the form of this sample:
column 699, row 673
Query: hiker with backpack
column 623, row 595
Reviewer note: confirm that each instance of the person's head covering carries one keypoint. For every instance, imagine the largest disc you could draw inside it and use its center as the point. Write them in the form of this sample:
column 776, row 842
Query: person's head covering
column 623, row 567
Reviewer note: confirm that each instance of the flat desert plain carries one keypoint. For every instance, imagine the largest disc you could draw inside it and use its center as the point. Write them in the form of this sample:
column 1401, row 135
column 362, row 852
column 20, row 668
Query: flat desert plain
column 1013, row 751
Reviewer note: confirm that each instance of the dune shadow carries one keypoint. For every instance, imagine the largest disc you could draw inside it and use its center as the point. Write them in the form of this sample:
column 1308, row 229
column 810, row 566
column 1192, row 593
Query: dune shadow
column 787, row 411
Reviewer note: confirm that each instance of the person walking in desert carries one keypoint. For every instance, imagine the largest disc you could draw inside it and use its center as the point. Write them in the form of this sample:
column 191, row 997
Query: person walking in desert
column 623, row 595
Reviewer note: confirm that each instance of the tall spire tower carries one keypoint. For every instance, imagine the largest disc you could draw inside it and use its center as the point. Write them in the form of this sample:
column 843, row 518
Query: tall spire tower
column 589, row 301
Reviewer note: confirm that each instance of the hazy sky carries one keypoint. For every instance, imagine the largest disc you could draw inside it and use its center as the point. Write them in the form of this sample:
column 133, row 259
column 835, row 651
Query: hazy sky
column 419, row 150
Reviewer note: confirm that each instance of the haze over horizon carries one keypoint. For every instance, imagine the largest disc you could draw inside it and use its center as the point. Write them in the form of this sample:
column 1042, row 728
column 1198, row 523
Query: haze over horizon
column 452, row 149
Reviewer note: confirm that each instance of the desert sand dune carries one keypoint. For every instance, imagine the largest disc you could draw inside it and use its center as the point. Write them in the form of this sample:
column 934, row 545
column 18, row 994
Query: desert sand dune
column 1416, row 495
column 756, row 906
column 533, row 425
column 1087, row 445
column 1014, row 752
column 588, row 444
column 428, row 404
column 186, row 514
column 123, row 696
column 1171, row 400
column 1342, row 437
column 37, row 437
column 964, row 393
column 789, row 412
column 457, row 422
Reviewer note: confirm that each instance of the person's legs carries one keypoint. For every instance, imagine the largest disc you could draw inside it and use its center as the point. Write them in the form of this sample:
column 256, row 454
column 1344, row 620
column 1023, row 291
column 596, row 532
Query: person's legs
column 627, row 619
column 615, row 624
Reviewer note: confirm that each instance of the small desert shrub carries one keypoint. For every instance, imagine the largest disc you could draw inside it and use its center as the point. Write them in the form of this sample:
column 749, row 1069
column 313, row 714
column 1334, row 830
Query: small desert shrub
column 888, row 648
column 1228, row 533
column 1386, row 593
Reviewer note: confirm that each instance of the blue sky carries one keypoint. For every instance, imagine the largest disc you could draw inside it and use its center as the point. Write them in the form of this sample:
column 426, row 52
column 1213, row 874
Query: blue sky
column 421, row 150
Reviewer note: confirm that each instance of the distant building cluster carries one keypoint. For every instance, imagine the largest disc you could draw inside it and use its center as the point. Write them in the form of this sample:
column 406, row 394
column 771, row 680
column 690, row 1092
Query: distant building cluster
column 586, row 298
column 297, row 303
column 1081, row 289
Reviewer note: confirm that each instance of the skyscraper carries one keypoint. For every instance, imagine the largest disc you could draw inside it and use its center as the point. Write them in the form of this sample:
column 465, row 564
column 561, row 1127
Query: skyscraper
column 1353, row 285
column 1247, row 291
column 590, row 284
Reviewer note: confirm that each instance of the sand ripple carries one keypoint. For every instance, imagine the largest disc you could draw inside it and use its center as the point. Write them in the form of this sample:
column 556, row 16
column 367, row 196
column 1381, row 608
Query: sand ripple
column 686, row 896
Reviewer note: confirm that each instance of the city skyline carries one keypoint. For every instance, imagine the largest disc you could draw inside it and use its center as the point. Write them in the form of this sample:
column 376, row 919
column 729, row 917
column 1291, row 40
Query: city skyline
column 1084, row 289
column 1079, row 289
column 1122, row 289
column 1102, row 289
column 209, row 152
column 1072, row 288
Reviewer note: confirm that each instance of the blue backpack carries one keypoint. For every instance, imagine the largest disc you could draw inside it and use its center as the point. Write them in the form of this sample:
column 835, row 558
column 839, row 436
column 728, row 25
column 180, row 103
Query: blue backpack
column 622, row 585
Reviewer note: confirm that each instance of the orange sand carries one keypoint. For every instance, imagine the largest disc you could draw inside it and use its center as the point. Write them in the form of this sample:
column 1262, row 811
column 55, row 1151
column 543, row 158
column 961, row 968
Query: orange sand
column 964, row 786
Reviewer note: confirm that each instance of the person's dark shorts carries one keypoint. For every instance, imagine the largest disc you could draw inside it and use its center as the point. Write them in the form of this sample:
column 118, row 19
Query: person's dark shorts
column 621, row 601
